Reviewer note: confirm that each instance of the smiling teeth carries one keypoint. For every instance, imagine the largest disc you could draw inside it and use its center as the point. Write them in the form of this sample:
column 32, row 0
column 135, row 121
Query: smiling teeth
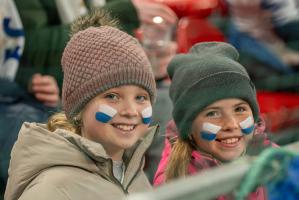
column 125, row 127
column 230, row 140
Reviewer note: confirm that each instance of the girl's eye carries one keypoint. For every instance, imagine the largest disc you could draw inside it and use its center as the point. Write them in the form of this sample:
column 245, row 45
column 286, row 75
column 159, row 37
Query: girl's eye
column 141, row 98
column 212, row 114
column 240, row 109
column 111, row 96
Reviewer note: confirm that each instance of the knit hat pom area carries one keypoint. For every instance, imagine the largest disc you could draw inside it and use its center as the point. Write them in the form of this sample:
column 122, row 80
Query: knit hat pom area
column 207, row 73
column 99, row 57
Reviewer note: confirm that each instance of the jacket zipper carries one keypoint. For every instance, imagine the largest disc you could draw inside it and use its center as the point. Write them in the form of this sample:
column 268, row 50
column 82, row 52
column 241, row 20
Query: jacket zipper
column 139, row 167
column 137, row 171
column 140, row 164
column 114, row 179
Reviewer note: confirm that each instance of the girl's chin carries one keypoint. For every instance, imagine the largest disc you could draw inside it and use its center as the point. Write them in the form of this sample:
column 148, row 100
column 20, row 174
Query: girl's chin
column 229, row 158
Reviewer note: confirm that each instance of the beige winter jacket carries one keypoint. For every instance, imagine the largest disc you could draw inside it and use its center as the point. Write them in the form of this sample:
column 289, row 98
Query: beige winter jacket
column 64, row 166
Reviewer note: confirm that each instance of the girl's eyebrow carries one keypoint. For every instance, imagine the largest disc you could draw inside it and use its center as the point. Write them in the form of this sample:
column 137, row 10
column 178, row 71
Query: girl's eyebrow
column 143, row 93
column 113, row 90
column 212, row 108
column 241, row 103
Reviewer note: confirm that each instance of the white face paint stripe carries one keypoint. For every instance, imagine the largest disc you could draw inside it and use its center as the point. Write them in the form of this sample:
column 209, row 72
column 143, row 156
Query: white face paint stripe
column 248, row 122
column 209, row 131
column 147, row 112
column 108, row 110
column 211, row 128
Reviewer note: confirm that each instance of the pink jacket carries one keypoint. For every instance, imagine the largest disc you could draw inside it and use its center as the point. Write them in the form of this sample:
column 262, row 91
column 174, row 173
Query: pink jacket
column 200, row 161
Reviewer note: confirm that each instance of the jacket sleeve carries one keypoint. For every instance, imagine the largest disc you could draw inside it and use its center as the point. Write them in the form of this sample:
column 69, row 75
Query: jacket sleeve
column 43, row 192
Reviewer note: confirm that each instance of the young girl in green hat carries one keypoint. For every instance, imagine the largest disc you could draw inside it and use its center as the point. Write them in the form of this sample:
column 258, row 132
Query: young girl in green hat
column 215, row 113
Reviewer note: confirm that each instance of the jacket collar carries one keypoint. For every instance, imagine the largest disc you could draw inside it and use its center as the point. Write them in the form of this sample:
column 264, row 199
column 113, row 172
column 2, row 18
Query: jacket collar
column 133, row 157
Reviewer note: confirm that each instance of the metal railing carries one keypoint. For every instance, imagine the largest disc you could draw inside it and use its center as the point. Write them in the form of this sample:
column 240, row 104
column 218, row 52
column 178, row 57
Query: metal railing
column 206, row 185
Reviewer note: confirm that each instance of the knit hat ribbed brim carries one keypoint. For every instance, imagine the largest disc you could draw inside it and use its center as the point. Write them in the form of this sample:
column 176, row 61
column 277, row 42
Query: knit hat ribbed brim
column 100, row 58
column 208, row 73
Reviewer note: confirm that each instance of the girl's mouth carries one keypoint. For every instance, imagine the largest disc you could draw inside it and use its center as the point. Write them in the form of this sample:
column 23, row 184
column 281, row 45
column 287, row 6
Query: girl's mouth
column 124, row 127
column 229, row 141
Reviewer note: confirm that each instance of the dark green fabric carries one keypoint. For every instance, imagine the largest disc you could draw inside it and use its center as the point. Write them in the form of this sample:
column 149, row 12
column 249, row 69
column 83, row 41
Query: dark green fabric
column 209, row 72
column 46, row 36
column 125, row 12
column 45, row 39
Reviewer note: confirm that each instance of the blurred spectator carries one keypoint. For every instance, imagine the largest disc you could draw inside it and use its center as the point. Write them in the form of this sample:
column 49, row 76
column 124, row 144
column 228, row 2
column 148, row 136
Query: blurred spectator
column 46, row 25
column 253, row 31
column 17, row 104
column 285, row 18
column 266, row 34
column 148, row 9
column 11, row 40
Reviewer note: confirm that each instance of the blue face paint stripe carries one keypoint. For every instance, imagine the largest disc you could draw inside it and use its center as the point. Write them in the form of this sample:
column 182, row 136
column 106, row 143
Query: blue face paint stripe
column 102, row 117
column 105, row 113
column 248, row 130
column 147, row 120
column 208, row 136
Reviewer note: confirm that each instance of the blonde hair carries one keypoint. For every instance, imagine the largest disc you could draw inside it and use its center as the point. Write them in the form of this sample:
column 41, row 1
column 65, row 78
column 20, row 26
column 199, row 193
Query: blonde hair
column 179, row 159
column 60, row 121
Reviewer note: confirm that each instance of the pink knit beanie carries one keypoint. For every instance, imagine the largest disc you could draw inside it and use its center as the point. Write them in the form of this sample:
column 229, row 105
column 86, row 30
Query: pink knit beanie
column 99, row 58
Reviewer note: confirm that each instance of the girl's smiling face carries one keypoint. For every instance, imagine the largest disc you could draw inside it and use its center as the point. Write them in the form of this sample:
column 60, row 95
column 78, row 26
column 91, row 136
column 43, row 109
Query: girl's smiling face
column 224, row 116
column 125, row 127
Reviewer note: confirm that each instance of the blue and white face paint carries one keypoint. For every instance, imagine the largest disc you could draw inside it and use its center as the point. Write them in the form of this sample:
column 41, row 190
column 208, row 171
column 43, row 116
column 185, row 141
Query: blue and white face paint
column 209, row 131
column 105, row 114
column 247, row 125
column 147, row 115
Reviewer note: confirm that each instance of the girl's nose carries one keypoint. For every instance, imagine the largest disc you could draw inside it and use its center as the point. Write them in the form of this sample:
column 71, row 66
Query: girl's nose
column 129, row 109
column 230, row 123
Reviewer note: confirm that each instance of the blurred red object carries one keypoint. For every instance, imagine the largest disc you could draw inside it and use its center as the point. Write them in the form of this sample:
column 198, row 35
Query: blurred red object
column 198, row 8
column 193, row 26
column 192, row 30
column 279, row 109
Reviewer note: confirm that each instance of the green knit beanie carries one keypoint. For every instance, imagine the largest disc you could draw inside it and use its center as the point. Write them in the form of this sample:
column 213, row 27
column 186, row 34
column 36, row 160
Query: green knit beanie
column 208, row 73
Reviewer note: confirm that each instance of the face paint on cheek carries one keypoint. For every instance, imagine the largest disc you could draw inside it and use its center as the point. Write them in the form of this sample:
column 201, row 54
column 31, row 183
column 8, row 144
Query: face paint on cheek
column 209, row 131
column 147, row 115
column 247, row 125
column 105, row 113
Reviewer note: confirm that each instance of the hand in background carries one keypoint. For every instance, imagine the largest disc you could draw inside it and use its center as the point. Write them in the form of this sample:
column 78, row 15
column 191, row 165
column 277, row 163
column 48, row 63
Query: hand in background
column 148, row 9
column 161, row 58
column 45, row 89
